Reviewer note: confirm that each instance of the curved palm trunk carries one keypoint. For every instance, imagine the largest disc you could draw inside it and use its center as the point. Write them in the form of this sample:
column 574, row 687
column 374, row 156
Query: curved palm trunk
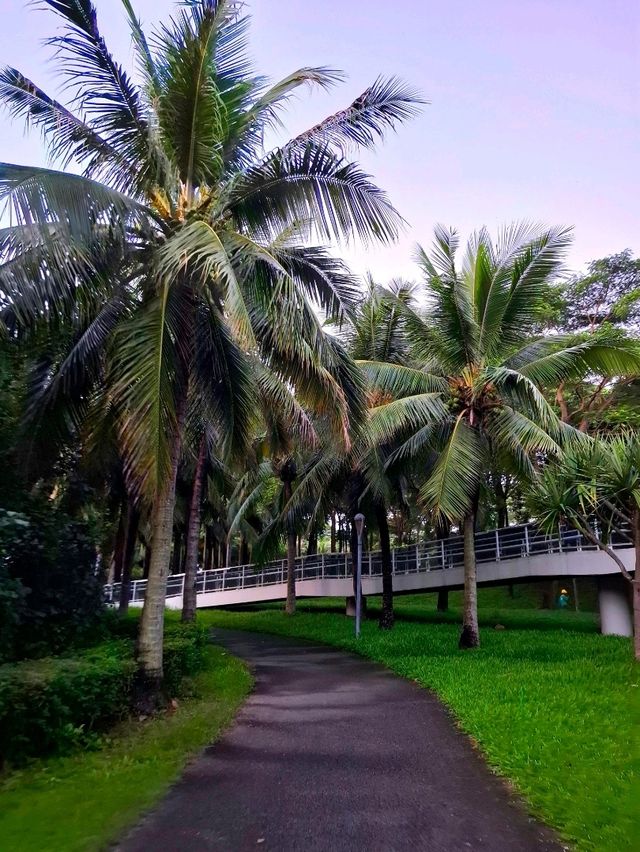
column 189, row 597
column 150, row 637
column 470, row 637
column 386, row 616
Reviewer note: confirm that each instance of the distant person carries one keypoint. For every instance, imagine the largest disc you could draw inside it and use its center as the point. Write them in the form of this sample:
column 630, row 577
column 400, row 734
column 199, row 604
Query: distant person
column 563, row 599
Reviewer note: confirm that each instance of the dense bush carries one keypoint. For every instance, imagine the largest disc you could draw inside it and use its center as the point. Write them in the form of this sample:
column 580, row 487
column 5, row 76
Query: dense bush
column 49, row 584
column 51, row 705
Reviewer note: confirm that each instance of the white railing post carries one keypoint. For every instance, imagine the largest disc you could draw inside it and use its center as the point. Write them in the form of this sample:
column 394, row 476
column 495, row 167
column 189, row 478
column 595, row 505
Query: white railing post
column 417, row 558
column 369, row 563
column 442, row 553
column 322, row 566
column 497, row 546
column 393, row 561
column 559, row 539
column 527, row 549
column 244, row 568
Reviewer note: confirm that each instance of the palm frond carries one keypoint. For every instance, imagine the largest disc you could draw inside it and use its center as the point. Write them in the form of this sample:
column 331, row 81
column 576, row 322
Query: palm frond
column 388, row 421
column 73, row 204
column 364, row 122
column 553, row 359
column 313, row 184
column 197, row 247
column 148, row 377
column 456, row 476
column 224, row 381
column 399, row 381
column 102, row 89
column 68, row 138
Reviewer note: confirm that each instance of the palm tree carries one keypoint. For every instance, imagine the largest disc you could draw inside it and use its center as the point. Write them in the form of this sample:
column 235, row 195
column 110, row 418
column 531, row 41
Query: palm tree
column 377, row 333
column 181, row 245
column 595, row 488
column 473, row 390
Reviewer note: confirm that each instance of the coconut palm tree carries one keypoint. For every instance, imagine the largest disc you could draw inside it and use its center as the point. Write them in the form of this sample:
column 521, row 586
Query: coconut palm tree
column 178, row 245
column 474, row 387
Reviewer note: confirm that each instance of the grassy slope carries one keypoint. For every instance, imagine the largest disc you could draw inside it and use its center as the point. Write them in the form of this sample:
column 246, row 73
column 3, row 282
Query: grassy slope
column 83, row 801
column 553, row 709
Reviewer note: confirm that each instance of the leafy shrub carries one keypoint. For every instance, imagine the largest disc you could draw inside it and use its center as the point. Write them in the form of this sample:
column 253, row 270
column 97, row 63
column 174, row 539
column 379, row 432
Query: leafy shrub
column 48, row 560
column 184, row 654
column 57, row 703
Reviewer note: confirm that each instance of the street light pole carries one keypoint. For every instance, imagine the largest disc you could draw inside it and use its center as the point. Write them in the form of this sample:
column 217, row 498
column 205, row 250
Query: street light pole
column 359, row 521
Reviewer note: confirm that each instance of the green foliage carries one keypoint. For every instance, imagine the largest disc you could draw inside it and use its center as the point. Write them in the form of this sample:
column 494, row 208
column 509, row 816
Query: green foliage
column 52, row 704
column 552, row 709
column 475, row 352
column 608, row 293
column 49, row 563
column 84, row 801
column 57, row 703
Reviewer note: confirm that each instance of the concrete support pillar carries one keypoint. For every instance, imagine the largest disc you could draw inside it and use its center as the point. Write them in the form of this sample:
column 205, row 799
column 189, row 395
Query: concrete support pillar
column 615, row 606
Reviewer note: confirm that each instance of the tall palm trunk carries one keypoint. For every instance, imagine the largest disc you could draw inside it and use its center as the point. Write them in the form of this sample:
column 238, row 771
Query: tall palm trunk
column 290, row 605
column 386, row 616
column 176, row 559
column 470, row 636
column 150, row 637
column 636, row 583
column 121, row 536
column 133, row 520
column 189, row 598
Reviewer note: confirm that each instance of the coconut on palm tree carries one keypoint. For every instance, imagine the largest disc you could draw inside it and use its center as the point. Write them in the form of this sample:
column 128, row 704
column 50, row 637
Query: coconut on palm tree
column 179, row 245
column 473, row 389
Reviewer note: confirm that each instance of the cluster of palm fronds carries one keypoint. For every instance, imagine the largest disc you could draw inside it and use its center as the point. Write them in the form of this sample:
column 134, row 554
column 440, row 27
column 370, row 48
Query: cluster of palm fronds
column 165, row 286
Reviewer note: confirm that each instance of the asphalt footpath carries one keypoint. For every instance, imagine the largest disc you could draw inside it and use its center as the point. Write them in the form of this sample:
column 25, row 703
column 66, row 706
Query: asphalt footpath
column 332, row 752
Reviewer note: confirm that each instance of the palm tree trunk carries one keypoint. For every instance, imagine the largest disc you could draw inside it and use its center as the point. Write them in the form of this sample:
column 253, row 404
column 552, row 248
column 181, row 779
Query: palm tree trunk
column 189, row 597
column 290, row 605
column 150, row 637
column 176, row 559
column 312, row 544
column 133, row 520
column 470, row 636
column 118, row 550
column 386, row 615
column 636, row 583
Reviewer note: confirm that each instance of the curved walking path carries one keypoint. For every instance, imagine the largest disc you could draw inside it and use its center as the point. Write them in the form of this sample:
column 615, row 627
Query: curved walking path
column 331, row 752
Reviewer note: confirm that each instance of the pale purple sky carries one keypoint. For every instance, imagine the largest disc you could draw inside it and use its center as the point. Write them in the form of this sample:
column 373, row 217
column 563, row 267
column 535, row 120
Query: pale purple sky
column 534, row 105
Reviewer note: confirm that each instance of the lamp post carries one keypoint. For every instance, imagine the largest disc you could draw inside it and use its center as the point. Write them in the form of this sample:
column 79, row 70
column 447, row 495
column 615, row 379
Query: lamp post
column 359, row 522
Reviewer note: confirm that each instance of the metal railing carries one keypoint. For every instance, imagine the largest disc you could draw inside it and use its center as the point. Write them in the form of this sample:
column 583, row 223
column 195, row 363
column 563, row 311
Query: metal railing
column 440, row 555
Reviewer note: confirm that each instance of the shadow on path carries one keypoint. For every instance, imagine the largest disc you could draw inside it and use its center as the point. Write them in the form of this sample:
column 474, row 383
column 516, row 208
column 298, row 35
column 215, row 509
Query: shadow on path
column 332, row 752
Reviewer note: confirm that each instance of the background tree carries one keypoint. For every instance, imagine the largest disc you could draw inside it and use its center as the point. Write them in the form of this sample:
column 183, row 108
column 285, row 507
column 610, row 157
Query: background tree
column 473, row 390
column 178, row 245
column 595, row 488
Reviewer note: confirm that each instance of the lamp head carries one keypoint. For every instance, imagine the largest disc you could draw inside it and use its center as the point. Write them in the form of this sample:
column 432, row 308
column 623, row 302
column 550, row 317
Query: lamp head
column 359, row 522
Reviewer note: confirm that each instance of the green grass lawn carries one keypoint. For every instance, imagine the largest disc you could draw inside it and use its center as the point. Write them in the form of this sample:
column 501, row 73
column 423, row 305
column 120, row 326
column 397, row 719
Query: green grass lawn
column 552, row 704
column 84, row 801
